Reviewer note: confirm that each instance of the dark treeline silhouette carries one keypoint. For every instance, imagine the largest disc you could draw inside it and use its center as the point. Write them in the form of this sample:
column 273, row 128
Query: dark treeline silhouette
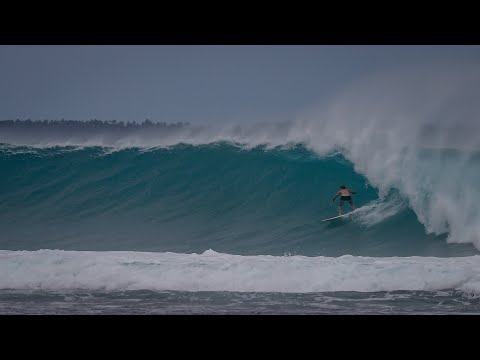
column 91, row 131
column 92, row 123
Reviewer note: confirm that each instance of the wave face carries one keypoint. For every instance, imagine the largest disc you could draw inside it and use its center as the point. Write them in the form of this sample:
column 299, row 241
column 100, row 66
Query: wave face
column 191, row 198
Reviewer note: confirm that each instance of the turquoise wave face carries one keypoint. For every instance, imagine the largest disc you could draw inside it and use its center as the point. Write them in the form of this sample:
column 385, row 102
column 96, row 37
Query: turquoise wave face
column 189, row 198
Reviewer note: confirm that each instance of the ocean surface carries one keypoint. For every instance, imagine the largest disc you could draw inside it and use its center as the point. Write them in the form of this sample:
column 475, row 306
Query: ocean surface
column 107, row 219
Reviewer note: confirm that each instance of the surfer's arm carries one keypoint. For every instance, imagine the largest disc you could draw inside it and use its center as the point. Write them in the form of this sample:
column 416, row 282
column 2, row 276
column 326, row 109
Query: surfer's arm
column 338, row 193
column 352, row 192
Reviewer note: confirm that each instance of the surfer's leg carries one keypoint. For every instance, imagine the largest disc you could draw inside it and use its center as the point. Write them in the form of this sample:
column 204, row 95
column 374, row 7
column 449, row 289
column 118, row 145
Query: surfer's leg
column 351, row 205
column 340, row 207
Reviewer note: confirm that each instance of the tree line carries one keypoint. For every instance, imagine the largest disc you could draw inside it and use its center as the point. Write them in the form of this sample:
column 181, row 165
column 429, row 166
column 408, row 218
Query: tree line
column 92, row 123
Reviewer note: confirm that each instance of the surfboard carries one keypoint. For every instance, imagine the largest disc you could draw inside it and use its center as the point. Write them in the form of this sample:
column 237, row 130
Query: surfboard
column 337, row 217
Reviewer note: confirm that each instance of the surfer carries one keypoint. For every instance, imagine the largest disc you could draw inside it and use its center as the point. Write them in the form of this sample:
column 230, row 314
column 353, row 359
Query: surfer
column 344, row 194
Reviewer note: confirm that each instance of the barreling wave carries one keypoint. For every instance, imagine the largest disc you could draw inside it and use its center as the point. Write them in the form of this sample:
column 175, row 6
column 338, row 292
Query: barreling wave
column 187, row 198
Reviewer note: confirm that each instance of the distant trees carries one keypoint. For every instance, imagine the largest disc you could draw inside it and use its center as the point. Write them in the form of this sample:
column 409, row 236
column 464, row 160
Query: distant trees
column 92, row 123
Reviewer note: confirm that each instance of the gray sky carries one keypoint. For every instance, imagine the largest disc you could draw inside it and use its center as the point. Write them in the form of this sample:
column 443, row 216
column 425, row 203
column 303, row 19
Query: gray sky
column 193, row 83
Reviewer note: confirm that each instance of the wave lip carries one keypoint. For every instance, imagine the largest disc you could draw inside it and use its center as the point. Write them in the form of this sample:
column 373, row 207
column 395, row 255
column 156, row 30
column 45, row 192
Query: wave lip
column 212, row 271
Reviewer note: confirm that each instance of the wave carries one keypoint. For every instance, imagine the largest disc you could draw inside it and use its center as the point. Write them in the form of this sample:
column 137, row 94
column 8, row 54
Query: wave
column 192, row 198
column 212, row 271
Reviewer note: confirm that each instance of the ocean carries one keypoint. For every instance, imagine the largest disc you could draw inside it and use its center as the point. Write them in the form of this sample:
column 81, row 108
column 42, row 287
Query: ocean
column 110, row 219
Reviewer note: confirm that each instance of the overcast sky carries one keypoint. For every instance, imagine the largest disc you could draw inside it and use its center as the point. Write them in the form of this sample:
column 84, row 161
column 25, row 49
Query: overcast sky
column 193, row 83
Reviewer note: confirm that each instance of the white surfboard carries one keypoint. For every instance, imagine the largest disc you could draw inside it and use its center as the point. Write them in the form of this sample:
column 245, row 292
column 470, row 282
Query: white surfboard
column 337, row 217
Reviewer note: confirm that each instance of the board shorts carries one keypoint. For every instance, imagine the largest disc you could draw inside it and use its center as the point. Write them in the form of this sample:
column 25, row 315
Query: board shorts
column 345, row 198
